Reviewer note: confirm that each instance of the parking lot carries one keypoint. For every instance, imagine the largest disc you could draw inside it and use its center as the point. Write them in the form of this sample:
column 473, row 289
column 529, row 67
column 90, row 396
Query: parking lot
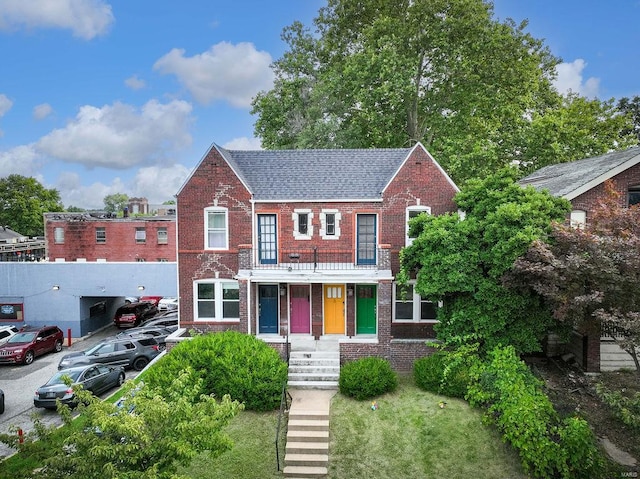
column 19, row 382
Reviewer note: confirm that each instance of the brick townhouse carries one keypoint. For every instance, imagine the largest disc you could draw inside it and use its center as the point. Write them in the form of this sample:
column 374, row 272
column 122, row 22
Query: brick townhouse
column 302, row 245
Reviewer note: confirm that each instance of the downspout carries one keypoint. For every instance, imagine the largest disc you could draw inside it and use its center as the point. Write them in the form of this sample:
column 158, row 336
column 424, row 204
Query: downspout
column 253, row 241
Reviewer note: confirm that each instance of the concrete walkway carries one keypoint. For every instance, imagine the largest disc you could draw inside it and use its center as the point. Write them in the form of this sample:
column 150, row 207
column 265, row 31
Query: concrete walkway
column 311, row 399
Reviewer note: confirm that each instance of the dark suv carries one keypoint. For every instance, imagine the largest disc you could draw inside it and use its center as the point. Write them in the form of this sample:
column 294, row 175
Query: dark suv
column 131, row 315
column 26, row 345
column 130, row 352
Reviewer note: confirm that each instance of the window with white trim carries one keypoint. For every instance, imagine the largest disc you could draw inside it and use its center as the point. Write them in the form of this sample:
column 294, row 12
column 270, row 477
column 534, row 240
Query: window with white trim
column 141, row 235
column 330, row 224
column 578, row 219
column 302, row 224
column 216, row 228
column 412, row 212
column 58, row 235
column 216, row 300
column 410, row 306
column 163, row 237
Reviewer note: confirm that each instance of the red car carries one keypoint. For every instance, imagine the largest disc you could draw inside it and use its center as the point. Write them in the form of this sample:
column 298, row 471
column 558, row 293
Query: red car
column 131, row 315
column 25, row 346
column 151, row 299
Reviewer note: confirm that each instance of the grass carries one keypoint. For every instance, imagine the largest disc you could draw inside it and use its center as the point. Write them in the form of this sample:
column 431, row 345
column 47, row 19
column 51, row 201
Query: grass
column 409, row 435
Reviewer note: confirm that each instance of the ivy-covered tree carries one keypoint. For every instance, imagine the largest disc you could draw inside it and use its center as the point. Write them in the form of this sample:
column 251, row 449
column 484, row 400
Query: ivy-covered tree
column 23, row 201
column 591, row 276
column 461, row 261
column 387, row 73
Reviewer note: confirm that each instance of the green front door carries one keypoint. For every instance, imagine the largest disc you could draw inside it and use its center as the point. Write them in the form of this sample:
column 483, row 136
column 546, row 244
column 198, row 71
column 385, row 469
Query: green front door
column 366, row 300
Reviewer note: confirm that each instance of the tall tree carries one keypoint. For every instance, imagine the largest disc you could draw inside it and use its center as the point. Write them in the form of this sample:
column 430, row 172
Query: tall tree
column 115, row 203
column 461, row 263
column 388, row 73
column 23, row 201
column 591, row 276
column 631, row 107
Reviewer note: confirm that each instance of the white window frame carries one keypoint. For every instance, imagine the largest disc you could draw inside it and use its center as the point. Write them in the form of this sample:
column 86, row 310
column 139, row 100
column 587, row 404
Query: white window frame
column 216, row 209
column 218, row 300
column 417, row 301
column 295, row 216
column 323, row 224
column 163, row 235
column 141, row 235
column 58, row 235
column 578, row 219
column 411, row 209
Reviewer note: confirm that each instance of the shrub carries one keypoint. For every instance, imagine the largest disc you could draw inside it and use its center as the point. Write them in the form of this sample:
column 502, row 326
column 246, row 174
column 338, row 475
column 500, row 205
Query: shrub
column 627, row 409
column 526, row 418
column 445, row 372
column 240, row 365
column 367, row 378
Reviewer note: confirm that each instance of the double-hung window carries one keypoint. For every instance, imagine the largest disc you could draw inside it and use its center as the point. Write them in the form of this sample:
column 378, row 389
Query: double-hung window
column 413, row 212
column 330, row 224
column 216, row 228
column 141, row 235
column 58, row 235
column 302, row 224
column 217, row 300
column 410, row 306
column 163, row 237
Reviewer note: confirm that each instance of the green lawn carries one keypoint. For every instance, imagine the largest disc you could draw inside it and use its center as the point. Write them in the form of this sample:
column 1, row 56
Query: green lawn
column 409, row 435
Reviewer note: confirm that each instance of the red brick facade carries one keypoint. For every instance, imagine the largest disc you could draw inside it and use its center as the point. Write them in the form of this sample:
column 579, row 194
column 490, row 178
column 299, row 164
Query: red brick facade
column 419, row 182
column 78, row 236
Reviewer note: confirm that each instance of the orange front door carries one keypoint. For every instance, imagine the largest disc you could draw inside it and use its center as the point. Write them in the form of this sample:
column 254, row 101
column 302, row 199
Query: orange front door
column 333, row 309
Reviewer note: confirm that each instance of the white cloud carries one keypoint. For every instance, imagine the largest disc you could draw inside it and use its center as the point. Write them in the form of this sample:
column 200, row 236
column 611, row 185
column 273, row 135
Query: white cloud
column 243, row 143
column 157, row 184
column 40, row 112
column 135, row 83
column 21, row 160
column 74, row 193
column 233, row 73
column 85, row 18
column 120, row 136
column 5, row 104
column 570, row 79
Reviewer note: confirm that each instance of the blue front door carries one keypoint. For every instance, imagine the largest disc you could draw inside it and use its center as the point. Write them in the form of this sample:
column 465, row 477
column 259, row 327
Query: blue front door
column 267, row 308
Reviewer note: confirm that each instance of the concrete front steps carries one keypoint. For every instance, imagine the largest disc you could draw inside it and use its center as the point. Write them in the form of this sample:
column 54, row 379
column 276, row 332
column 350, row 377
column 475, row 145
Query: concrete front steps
column 307, row 450
column 313, row 368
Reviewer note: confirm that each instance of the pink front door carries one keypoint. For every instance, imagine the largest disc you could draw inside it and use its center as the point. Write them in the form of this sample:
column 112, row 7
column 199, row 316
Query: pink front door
column 300, row 309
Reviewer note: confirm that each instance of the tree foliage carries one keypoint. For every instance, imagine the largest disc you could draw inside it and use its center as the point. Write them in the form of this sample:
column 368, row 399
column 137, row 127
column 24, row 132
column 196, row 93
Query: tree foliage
column 591, row 276
column 631, row 108
column 461, row 262
column 23, row 201
column 388, row 73
column 115, row 203
column 147, row 436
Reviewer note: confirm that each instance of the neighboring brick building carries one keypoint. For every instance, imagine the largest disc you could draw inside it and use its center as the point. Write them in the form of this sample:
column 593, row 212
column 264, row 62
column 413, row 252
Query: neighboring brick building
column 100, row 237
column 303, row 244
column 582, row 183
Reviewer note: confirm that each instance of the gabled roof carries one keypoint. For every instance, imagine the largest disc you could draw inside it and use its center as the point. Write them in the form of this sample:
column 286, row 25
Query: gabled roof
column 570, row 180
column 7, row 235
column 315, row 175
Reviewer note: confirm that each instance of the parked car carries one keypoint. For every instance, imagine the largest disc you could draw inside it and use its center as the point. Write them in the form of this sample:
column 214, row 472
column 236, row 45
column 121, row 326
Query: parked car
column 135, row 352
column 169, row 321
column 24, row 346
column 96, row 378
column 1, row 401
column 131, row 315
column 151, row 299
column 168, row 304
column 158, row 332
column 6, row 332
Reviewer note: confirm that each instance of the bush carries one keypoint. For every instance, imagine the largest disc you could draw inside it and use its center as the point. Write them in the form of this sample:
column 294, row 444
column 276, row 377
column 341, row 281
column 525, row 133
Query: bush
column 240, row 365
column 444, row 372
column 367, row 378
column 526, row 418
column 627, row 409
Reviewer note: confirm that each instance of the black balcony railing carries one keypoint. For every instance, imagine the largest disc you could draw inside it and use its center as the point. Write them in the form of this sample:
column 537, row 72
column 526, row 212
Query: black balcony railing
column 320, row 259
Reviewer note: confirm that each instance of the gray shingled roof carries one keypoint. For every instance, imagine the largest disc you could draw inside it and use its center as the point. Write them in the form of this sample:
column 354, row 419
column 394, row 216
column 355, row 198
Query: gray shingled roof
column 573, row 178
column 274, row 175
column 8, row 235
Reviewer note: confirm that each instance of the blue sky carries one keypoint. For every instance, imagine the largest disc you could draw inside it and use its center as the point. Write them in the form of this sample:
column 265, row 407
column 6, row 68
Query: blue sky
column 125, row 96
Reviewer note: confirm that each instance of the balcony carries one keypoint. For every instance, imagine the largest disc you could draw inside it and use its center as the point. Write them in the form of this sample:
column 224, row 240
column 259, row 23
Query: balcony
column 314, row 259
